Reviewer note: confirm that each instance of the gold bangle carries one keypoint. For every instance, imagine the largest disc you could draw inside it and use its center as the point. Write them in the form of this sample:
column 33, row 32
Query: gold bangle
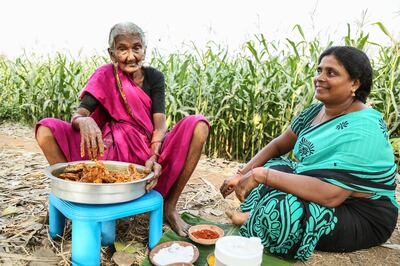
column 155, row 153
column 154, row 142
column 266, row 177
column 75, row 117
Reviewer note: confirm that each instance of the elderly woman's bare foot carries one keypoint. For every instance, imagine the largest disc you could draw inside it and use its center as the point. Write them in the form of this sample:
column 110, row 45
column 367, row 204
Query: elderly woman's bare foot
column 237, row 218
column 175, row 221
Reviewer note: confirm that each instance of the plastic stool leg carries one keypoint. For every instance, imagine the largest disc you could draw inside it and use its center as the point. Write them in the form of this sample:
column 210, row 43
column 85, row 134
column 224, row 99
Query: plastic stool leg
column 56, row 221
column 85, row 243
column 155, row 230
column 108, row 233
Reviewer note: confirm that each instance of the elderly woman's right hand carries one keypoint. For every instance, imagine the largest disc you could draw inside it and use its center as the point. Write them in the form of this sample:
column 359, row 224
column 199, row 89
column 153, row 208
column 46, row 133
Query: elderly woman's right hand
column 91, row 137
column 229, row 185
column 152, row 165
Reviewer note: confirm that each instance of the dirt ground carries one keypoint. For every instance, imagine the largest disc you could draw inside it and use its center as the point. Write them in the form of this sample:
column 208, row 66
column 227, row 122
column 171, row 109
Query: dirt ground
column 23, row 209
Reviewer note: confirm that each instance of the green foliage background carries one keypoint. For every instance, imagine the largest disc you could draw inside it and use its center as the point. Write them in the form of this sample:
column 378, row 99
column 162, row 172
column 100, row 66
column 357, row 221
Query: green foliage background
column 250, row 96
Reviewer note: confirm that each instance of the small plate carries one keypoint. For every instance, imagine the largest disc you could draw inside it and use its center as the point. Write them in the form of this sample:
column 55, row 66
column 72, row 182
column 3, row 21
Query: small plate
column 154, row 251
column 203, row 241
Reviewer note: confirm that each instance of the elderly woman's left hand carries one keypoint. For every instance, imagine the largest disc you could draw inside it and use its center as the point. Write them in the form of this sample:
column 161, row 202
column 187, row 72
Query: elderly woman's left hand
column 152, row 165
column 249, row 181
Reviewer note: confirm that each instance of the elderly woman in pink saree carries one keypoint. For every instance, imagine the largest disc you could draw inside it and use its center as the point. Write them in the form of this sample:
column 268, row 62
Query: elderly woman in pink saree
column 122, row 118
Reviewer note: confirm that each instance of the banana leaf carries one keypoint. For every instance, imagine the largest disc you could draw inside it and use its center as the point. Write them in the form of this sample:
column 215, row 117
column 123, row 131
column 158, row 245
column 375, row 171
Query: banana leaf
column 229, row 229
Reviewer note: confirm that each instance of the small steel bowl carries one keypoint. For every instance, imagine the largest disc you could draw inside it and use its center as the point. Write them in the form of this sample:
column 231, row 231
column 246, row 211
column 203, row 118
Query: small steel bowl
column 93, row 193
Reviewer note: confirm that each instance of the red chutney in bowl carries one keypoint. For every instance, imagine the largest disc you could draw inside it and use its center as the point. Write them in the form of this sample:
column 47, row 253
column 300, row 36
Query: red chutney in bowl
column 205, row 234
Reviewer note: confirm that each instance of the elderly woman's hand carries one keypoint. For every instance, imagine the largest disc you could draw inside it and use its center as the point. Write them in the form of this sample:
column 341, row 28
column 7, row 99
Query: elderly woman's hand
column 249, row 181
column 229, row 185
column 152, row 165
column 91, row 137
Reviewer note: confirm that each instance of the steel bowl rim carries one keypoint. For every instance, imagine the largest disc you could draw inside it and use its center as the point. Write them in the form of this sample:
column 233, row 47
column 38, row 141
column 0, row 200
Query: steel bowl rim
column 48, row 171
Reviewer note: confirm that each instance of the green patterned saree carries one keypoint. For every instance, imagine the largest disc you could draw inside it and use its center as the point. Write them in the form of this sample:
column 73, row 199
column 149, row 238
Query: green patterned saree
column 351, row 151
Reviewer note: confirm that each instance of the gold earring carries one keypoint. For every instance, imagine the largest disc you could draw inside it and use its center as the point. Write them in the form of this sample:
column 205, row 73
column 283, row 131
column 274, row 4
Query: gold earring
column 353, row 92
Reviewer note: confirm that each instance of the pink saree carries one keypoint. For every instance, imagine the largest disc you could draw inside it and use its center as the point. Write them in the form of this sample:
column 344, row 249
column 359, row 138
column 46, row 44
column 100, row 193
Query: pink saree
column 127, row 137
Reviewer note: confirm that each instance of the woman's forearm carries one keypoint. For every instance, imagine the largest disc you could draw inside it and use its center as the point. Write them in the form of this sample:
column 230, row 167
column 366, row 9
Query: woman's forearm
column 156, row 141
column 307, row 188
column 160, row 129
column 158, row 134
column 81, row 112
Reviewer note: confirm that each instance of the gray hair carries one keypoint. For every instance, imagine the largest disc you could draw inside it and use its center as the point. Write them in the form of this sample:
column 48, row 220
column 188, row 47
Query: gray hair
column 125, row 28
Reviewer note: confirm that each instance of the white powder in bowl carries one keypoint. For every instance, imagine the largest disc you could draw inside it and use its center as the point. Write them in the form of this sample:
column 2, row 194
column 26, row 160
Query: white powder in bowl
column 174, row 253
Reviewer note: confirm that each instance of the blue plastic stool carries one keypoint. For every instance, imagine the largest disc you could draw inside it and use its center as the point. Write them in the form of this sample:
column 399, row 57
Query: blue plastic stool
column 93, row 223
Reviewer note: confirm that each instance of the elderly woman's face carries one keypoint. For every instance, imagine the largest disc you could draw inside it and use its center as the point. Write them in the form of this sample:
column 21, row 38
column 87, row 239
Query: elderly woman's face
column 332, row 82
column 128, row 52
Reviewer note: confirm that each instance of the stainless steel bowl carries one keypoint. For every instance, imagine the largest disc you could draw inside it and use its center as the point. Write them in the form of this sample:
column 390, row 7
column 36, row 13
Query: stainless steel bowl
column 91, row 193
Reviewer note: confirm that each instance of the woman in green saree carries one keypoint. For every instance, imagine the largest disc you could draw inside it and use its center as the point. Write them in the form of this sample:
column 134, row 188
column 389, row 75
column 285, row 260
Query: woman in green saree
column 339, row 194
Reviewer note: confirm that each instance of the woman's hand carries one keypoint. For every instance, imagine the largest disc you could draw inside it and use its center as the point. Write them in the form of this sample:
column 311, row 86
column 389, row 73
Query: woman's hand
column 91, row 137
column 229, row 185
column 152, row 165
column 249, row 181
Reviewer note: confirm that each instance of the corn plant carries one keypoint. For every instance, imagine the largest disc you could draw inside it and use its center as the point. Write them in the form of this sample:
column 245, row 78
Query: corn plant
column 250, row 96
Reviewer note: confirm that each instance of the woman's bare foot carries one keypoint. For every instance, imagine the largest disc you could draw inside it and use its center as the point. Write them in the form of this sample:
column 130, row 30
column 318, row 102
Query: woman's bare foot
column 237, row 218
column 175, row 221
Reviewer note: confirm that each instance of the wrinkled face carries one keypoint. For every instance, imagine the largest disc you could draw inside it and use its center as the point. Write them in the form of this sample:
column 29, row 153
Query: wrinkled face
column 332, row 82
column 128, row 52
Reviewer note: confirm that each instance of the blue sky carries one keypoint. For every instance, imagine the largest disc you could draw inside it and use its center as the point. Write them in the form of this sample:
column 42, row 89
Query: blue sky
column 44, row 26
